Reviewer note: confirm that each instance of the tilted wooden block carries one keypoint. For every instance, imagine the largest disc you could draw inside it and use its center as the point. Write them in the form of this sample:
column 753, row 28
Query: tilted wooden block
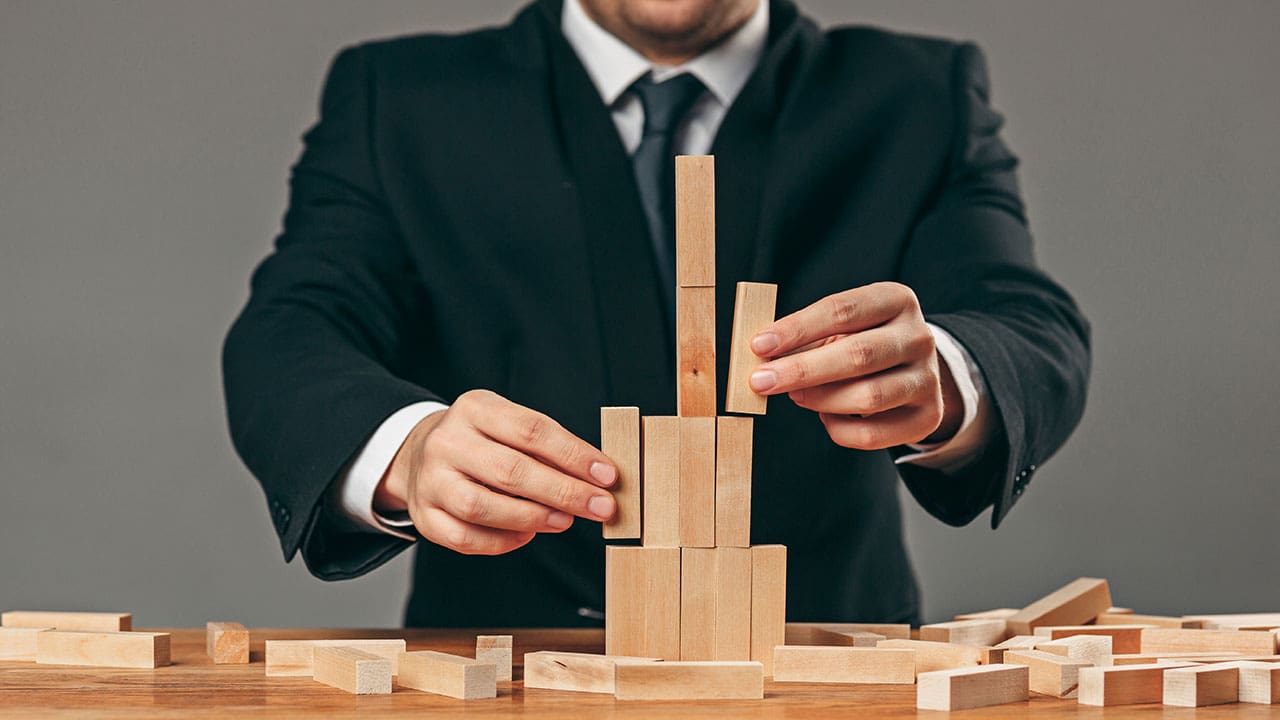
column 695, row 221
column 1152, row 620
column 451, row 675
column 1169, row 640
column 1093, row 649
column 495, row 649
column 103, row 649
column 226, row 643
column 642, row 602
column 1123, row 684
column 1051, row 674
column 972, row 687
column 733, row 481
column 86, row 621
column 620, row 442
column 693, row 680
column 839, row 638
column 19, row 643
column 715, row 614
column 804, row 633
column 753, row 309
column 661, row 487
column 355, row 671
column 983, row 633
column 1124, row 638
column 768, row 602
column 830, row 664
column 696, row 351
column 295, row 658
column 1259, row 682
column 997, row 614
column 1076, row 603
column 697, row 482
column 575, row 672
column 1201, row 686
column 934, row 656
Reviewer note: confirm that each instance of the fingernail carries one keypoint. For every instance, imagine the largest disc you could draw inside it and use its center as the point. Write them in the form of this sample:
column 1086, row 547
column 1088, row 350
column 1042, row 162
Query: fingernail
column 603, row 474
column 601, row 506
column 765, row 343
column 762, row 380
column 559, row 520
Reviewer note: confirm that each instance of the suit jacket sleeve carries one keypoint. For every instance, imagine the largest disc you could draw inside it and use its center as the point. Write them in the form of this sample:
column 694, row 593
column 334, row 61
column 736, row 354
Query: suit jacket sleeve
column 310, row 367
column 970, row 262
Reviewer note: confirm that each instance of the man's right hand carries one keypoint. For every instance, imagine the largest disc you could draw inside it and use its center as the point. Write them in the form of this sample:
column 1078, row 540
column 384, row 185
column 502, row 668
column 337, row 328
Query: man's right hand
column 484, row 476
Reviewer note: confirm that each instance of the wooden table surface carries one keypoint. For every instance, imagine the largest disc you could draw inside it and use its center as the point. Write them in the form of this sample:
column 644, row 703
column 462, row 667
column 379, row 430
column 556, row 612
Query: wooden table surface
column 193, row 687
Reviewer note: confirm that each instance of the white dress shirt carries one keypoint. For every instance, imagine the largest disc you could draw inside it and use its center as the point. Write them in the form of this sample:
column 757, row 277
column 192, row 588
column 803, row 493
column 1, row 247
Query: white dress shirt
column 613, row 67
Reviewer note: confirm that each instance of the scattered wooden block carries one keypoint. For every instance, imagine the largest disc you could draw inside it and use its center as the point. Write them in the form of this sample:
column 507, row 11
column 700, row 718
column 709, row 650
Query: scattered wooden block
column 1201, row 686
column 697, row 482
column 1051, row 674
column 19, row 643
column 689, row 681
column 1093, row 649
column 753, row 309
column 966, row 688
column 84, row 621
column 1123, row 684
column 1259, row 682
column 661, row 488
column 620, row 441
column 356, row 671
column 1152, row 620
column 842, row 638
column 695, row 221
column 997, row 614
column 1119, row 611
column 804, row 633
column 103, row 649
column 575, row 672
column 296, row 658
column 768, row 602
column 983, row 633
column 450, row 675
column 1076, row 603
column 495, row 649
column 1020, row 642
column 226, row 643
column 696, row 351
column 733, row 481
column 1247, row 642
column 1244, row 621
column 934, row 656
column 1124, row 638
column 715, row 604
column 829, row 664
column 642, row 601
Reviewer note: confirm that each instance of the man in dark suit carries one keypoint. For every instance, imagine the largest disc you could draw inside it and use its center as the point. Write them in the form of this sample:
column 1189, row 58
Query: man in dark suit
column 477, row 256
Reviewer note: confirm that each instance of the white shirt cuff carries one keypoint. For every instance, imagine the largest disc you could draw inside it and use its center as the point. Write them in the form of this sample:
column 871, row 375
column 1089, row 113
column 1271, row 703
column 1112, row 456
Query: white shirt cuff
column 966, row 445
column 353, row 491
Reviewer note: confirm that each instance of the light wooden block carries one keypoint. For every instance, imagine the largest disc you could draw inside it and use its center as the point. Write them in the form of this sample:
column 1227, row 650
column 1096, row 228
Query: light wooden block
column 807, row 633
column 972, row 687
column 356, row 671
column 733, row 481
column 1239, row 621
column 1050, row 674
column 698, row 482
column 450, row 675
column 1245, row 642
column 574, row 672
column 693, row 680
column 642, row 602
column 1076, row 603
column 295, row 658
column 18, row 644
column 1020, row 642
column 695, row 221
column 620, row 442
column 1201, row 686
column 697, row 603
column 1259, row 682
column 1124, row 638
column 715, row 616
column 1119, row 611
column 1152, row 620
column 103, row 649
column 997, row 614
column 661, row 487
column 496, row 649
column 1123, row 684
column 768, row 602
column 753, row 309
column 696, row 351
column 983, row 633
column 226, row 643
column 85, row 621
column 1093, row 649
column 829, row 664
column 933, row 656
column 841, row 638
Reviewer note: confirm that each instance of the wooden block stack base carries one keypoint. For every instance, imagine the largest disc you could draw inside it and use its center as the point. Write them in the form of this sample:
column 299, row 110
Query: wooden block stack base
column 830, row 664
column 451, row 675
column 82, row 621
column 575, row 672
column 689, row 681
column 226, row 643
column 496, row 649
column 973, row 687
column 295, row 658
column 356, row 671
column 1201, row 686
column 103, row 649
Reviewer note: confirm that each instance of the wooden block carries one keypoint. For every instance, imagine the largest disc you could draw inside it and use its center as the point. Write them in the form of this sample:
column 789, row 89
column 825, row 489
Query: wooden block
column 620, row 441
column 804, row 633
column 1152, row 620
column 1123, row 684
column 840, row 638
column 1247, row 642
column 450, row 675
column 642, row 602
column 997, row 614
column 1259, row 682
column 1124, row 638
column 1050, row 674
column 768, row 602
column 753, row 309
column 226, row 643
column 698, row 482
column 933, row 656
column 1119, row 611
column 19, row 643
column 86, row 621
column 1093, row 649
column 495, row 649
column 1020, row 642
column 295, row 658
column 356, row 671
column 715, row 604
column 1202, row 685
column 662, row 603
column 695, row 221
column 966, row 688
column 992, row 655
column 575, row 672
column 1245, row 621
column 983, row 633
column 661, row 486
column 719, row 680
column 696, row 351
column 697, row 603
column 733, row 604
column 1076, row 603
column 828, row 664
column 733, row 482
column 103, row 649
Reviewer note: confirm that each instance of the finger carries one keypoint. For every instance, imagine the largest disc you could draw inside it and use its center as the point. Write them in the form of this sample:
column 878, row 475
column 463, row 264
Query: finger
column 900, row 426
column 443, row 529
column 843, row 358
column 516, row 473
column 476, row 504
column 869, row 395
column 536, row 434
column 850, row 311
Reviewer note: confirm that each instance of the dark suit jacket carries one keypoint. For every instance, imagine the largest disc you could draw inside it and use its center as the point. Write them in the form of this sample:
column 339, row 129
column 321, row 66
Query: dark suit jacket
column 464, row 216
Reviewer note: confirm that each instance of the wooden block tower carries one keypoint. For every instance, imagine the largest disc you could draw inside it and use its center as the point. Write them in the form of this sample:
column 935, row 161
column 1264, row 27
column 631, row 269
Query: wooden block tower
column 695, row 588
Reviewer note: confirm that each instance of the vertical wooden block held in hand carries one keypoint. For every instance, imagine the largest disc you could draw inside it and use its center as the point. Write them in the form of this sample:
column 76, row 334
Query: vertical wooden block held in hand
column 620, row 441
column 753, row 309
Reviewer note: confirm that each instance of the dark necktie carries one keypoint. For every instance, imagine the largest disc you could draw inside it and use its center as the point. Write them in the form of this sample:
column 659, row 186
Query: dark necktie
column 665, row 104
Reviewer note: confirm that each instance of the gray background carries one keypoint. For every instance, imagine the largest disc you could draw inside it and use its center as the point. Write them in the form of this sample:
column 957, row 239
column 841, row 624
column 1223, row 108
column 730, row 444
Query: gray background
column 144, row 148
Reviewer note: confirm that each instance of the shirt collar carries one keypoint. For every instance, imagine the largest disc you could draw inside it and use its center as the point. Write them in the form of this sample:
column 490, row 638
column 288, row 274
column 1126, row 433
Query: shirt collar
column 613, row 65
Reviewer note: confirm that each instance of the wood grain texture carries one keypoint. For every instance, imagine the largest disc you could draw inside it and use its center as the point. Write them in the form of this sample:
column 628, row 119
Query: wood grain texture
column 695, row 221
column 828, row 664
column 768, row 602
column 1123, row 684
column 1239, row 621
column 86, row 621
column 1051, row 674
column 454, row 676
column 934, row 656
column 574, row 672
column 1170, row 640
column 103, row 649
column 496, row 649
column 697, row 482
column 642, row 602
column 1152, row 620
column 997, row 614
column 715, row 680
column 754, row 307
column 355, row 671
column 715, row 604
column 696, row 351
column 1093, row 649
column 661, row 486
column 1201, row 686
column 294, row 658
column 1076, row 603
column 733, row 481
column 227, row 643
column 807, row 633
column 620, row 442
column 1259, row 682
column 983, row 633
column 1124, row 638
column 967, row 688
column 18, row 644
